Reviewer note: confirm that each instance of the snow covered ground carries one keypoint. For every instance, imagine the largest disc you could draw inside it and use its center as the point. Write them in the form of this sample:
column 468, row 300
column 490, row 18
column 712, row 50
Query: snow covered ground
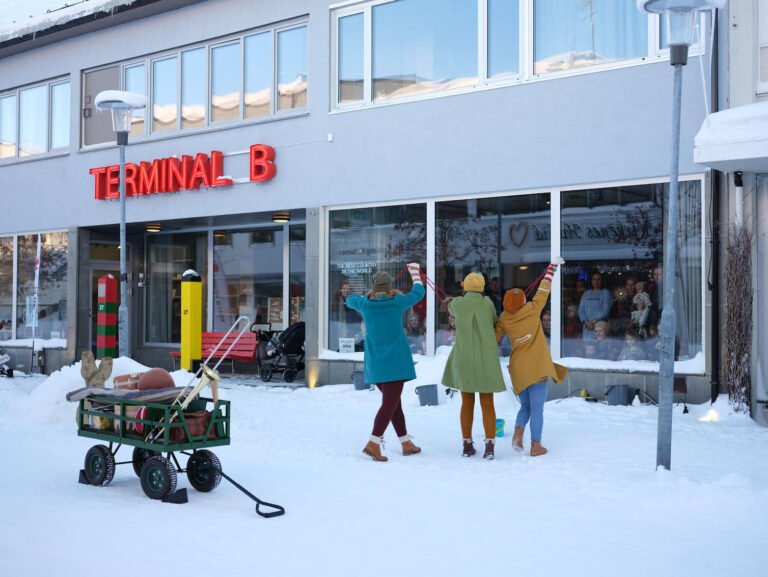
column 593, row 506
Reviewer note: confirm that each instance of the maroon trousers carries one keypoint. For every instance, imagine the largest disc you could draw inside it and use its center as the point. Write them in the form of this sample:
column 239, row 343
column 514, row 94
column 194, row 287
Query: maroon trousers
column 391, row 410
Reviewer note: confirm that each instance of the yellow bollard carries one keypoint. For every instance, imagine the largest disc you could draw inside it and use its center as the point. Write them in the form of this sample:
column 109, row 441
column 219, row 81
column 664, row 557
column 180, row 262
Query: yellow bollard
column 191, row 318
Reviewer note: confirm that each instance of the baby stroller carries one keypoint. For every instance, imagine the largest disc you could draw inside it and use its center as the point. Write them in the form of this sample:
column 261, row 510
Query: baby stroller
column 283, row 354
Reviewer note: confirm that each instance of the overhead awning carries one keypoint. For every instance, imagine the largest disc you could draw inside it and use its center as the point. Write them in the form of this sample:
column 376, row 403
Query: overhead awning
column 734, row 139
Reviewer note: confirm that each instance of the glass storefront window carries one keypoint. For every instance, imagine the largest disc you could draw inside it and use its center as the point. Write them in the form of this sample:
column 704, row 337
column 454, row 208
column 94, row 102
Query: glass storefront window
column 292, row 68
column 8, row 126
column 506, row 239
column 576, row 33
column 298, row 276
column 225, row 83
column 258, row 75
column 193, row 88
column 423, row 46
column 361, row 242
column 503, row 37
column 60, row 116
column 33, row 121
column 165, row 112
column 52, row 286
column 6, row 288
column 351, row 67
column 248, row 277
column 612, row 298
column 168, row 256
column 136, row 81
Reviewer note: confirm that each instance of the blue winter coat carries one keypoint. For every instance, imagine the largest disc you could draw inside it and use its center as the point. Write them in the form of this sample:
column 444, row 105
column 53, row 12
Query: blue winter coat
column 387, row 353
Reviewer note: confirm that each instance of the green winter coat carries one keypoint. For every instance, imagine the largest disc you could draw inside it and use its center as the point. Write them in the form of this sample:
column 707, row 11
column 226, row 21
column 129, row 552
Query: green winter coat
column 473, row 365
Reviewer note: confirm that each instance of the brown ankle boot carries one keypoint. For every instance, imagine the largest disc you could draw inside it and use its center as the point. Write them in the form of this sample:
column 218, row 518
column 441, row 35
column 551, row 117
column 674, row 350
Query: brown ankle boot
column 373, row 450
column 469, row 448
column 517, row 439
column 409, row 447
column 489, row 446
column 537, row 450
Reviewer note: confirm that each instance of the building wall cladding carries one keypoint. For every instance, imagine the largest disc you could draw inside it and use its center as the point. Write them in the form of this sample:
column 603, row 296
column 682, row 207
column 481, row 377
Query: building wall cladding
column 588, row 128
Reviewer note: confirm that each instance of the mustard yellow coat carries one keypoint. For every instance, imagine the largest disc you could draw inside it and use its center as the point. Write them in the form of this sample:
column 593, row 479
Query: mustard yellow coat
column 530, row 361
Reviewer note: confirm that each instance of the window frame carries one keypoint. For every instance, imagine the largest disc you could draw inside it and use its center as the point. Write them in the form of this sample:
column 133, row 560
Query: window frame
column 49, row 151
column 655, row 53
column 761, row 36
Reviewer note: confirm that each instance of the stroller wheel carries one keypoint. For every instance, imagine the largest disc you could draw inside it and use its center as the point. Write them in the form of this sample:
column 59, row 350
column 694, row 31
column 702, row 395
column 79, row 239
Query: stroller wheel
column 266, row 373
column 289, row 375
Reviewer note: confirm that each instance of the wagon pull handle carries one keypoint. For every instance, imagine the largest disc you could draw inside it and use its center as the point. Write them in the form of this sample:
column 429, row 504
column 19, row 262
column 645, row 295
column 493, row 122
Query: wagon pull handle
column 278, row 510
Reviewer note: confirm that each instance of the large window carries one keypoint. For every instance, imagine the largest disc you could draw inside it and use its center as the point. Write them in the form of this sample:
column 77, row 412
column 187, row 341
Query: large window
column 255, row 76
column 506, row 239
column 298, row 276
column 51, row 321
column 168, row 256
column 6, row 288
column 399, row 49
column 762, row 43
column 34, row 120
column 612, row 294
column 363, row 241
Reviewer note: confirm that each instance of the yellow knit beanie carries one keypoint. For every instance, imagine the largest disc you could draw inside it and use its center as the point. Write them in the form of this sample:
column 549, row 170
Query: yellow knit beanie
column 474, row 282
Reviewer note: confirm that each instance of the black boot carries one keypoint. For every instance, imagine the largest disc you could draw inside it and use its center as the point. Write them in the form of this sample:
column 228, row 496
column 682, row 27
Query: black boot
column 489, row 444
column 469, row 448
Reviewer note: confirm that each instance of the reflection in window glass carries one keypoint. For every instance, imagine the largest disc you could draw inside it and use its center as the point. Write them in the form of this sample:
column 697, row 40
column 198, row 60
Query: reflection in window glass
column 194, row 79
column 298, row 278
column 351, row 54
column 258, row 75
column 612, row 294
column 422, row 47
column 52, row 292
column 6, row 288
column 225, row 83
column 8, row 127
column 136, row 81
column 33, row 121
column 503, row 37
column 506, row 239
column 248, row 277
column 60, row 116
column 292, row 68
column 574, row 33
column 361, row 242
column 168, row 256
column 164, row 95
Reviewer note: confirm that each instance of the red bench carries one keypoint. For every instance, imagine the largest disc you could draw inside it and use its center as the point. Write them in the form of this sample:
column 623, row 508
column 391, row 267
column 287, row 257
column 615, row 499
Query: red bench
column 244, row 350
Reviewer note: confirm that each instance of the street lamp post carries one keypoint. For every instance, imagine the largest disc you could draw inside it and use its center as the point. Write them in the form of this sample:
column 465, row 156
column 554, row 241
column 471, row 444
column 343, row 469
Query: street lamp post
column 122, row 104
column 680, row 16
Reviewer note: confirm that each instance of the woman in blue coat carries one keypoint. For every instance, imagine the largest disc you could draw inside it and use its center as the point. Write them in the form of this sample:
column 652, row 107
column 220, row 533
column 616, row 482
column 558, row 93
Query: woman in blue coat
column 388, row 358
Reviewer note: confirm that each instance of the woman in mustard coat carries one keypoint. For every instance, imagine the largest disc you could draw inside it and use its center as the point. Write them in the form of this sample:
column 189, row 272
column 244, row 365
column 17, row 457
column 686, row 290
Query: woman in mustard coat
column 473, row 365
column 530, row 363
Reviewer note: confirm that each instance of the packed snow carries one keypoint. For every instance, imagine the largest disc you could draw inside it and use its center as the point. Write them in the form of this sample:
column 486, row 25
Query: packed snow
column 593, row 506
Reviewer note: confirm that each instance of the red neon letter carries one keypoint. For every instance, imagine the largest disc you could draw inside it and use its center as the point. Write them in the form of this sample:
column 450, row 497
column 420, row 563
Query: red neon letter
column 130, row 179
column 200, row 172
column 99, row 183
column 262, row 166
column 151, row 177
column 217, row 167
column 113, row 181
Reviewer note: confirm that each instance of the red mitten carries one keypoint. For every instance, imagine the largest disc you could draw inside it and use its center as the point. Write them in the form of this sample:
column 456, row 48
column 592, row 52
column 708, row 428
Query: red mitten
column 551, row 269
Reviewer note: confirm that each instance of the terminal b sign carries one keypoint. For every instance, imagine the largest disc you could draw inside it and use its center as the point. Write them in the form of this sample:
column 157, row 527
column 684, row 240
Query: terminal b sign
column 166, row 175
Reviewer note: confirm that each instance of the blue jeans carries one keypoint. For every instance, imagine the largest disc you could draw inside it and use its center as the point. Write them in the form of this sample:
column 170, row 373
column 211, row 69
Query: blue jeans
column 532, row 407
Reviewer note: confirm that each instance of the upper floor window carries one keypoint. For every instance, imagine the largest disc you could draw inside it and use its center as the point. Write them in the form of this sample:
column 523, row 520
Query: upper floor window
column 386, row 50
column 762, row 43
column 34, row 120
column 253, row 76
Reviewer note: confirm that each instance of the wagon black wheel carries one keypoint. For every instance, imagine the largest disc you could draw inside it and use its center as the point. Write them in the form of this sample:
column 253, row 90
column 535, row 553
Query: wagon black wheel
column 158, row 477
column 140, row 456
column 289, row 375
column 99, row 465
column 204, row 470
column 265, row 372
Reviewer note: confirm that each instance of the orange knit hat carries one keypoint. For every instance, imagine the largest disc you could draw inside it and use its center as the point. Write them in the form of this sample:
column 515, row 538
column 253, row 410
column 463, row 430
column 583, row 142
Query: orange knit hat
column 513, row 300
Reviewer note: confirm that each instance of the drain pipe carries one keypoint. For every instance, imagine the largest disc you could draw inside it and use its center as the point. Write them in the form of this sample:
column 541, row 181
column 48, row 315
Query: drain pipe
column 714, row 286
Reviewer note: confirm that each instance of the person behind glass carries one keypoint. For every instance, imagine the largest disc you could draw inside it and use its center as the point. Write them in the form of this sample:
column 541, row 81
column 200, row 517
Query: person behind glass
column 530, row 364
column 446, row 336
column 473, row 365
column 546, row 324
column 594, row 306
column 492, row 292
column 415, row 332
column 348, row 318
column 388, row 360
column 657, row 297
column 605, row 347
column 631, row 351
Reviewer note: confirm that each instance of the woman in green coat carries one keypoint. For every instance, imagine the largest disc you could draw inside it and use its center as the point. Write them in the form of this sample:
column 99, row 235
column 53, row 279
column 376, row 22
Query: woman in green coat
column 473, row 365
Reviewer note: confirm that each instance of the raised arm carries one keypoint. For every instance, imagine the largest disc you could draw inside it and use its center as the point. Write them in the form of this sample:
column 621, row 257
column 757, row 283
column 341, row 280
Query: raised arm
column 417, row 290
column 542, row 294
